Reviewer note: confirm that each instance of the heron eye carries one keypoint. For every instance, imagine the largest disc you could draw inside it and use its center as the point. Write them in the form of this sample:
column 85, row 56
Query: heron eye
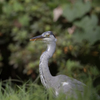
column 47, row 35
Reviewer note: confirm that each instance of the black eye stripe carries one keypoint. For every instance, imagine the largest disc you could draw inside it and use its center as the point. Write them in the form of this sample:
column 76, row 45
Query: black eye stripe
column 48, row 35
column 52, row 33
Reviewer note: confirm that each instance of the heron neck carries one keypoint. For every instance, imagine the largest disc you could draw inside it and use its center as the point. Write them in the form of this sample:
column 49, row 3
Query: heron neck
column 45, row 74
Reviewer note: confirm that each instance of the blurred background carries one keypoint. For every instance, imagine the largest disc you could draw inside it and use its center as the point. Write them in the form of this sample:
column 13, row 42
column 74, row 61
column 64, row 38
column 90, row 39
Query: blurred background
column 76, row 25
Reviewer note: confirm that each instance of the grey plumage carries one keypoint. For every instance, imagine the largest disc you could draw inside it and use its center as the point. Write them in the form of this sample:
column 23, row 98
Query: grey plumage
column 61, row 82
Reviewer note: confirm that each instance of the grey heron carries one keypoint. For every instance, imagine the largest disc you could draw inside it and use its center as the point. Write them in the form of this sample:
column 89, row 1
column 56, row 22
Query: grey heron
column 59, row 83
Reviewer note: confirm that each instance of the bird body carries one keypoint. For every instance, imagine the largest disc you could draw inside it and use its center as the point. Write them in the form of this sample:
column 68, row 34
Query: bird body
column 60, row 83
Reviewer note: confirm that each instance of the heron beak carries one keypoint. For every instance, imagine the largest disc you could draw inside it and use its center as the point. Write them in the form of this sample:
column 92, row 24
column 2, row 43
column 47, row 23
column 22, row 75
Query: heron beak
column 40, row 37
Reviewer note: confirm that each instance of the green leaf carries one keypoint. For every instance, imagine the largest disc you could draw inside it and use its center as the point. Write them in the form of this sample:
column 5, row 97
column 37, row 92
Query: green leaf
column 94, row 70
column 24, row 20
column 17, row 6
column 87, row 30
column 87, row 23
column 7, row 8
column 21, row 35
column 74, row 11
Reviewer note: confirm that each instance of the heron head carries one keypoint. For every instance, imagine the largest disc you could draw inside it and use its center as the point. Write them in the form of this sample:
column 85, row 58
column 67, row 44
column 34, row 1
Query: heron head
column 46, row 36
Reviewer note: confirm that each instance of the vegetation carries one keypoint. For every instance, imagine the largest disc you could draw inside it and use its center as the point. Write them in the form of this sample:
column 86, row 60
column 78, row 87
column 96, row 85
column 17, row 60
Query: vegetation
column 30, row 91
column 76, row 25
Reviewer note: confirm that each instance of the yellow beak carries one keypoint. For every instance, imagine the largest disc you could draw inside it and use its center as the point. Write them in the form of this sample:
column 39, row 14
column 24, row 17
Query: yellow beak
column 40, row 37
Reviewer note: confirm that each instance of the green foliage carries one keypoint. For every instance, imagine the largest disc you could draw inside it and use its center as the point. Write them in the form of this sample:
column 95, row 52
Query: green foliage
column 88, row 25
column 77, row 32
column 26, row 92
column 76, row 10
column 32, row 91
